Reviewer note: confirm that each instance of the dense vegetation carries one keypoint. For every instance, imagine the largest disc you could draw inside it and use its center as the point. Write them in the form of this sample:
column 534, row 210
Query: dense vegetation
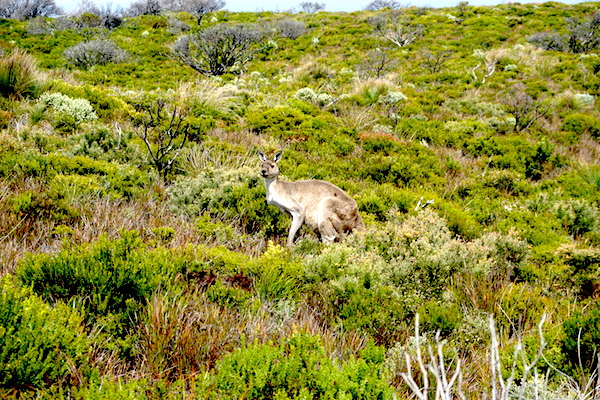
column 139, row 258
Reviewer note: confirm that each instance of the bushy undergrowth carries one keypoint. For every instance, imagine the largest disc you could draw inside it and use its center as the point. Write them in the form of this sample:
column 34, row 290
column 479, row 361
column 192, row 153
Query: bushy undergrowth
column 40, row 344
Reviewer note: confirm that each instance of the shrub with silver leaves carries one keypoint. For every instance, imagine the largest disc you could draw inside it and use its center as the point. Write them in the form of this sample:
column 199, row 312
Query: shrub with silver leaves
column 95, row 52
column 79, row 109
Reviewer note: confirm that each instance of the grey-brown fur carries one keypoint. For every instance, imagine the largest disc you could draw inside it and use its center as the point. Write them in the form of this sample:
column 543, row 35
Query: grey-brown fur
column 322, row 206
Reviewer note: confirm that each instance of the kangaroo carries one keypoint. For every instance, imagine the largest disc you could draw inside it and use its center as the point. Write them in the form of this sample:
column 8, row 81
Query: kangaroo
column 322, row 206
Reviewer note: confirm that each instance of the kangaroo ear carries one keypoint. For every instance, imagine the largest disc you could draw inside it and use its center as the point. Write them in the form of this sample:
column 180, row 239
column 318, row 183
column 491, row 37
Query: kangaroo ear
column 278, row 156
column 262, row 156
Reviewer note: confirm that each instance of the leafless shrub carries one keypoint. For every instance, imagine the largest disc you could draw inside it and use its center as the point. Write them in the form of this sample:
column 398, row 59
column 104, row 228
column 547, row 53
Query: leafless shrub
column 198, row 8
column 107, row 16
column 164, row 131
column 290, row 28
column 218, row 49
column 397, row 28
column 27, row 9
column 144, row 7
column 376, row 64
column 381, row 4
column 525, row 109
column 434, row 61
column 584, row 36
column 95, row 52
column 311, row 7
column 548, row 41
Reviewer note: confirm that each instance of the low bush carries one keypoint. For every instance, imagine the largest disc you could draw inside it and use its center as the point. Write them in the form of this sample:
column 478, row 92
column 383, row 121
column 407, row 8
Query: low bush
column 40, row 344
column 298, row 367
column 95, row 52
column 111, row 279
column 582, row 340
column 116, row 180
column 582, row 123
column 237, row 196
column 69, row 113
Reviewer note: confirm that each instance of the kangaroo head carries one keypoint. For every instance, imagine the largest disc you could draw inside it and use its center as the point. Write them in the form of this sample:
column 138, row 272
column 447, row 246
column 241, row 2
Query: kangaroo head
column 269, row 168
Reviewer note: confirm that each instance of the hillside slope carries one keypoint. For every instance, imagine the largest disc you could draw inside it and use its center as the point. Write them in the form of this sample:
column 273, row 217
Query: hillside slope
column 132, row 212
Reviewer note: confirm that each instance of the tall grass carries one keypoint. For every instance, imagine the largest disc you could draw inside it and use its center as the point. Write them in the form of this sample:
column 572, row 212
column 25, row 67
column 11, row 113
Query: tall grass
column 20, row 76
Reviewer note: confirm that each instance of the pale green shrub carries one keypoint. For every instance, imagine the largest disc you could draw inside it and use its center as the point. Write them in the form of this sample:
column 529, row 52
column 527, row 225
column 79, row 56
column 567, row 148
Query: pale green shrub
column 416, row 255
column 79, row 110
column 583, row 99
column 392, row 98
column 305, row 94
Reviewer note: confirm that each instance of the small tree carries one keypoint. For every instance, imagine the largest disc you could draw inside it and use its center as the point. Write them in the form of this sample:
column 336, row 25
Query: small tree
column 548, row 41
column 198, row 8
column 396, row 28
column 584, row 36
column 381, row 4
column 290, row 28
column 216, row 50
column 376, row 64
column 164, row 132
column 27, row 9
column 311, row 7
column 525, row 109
column 434, row 61
column 107, row 16
column 144, row 7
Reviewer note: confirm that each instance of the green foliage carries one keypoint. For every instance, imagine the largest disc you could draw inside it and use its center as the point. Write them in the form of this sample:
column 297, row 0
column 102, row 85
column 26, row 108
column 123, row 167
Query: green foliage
column 39, row 343
column 297, row 368
column 111, row 279
column 582, row 123
column 582, row 339
column 68, row 113
column 443, row 318
column 48, row 205
column 282, row 120
column 116, row 180
column 582, row 273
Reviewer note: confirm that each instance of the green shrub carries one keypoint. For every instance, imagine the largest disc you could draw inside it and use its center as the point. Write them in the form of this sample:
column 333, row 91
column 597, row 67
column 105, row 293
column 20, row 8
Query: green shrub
column 298, row 368
column 111, row 279
column 68, row 111
column 43, row 205
column 117, row 180
column 276, row 120
column 578, row 216
column 378, row 311
column 581, row 344
column 582, row 123
column 444, row 318
column 582, row 272
column 39, row 343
